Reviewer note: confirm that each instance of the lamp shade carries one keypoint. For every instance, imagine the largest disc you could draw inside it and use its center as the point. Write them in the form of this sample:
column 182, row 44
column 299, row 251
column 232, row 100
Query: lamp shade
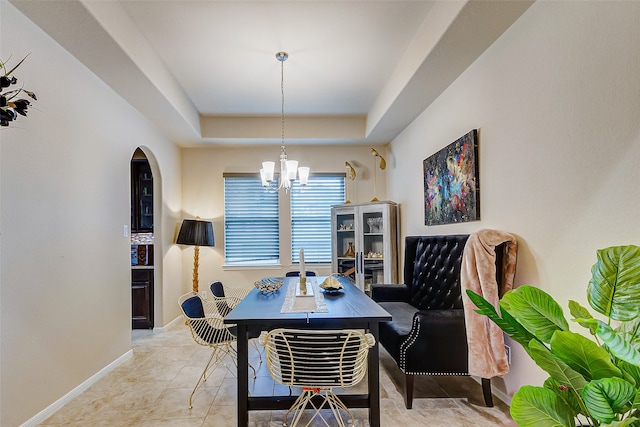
column 195, row 233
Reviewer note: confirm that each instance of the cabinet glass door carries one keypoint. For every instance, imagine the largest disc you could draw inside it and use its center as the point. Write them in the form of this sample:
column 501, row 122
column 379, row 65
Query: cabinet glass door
column 345, row 244
column 372, row 251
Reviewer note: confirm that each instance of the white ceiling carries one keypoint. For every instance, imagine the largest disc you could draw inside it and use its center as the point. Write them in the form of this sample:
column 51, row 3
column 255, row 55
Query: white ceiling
column 223, row 53
column 205, row 71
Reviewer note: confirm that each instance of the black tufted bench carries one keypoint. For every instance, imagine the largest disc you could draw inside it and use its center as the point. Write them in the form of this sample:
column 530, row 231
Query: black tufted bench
column 427, row 335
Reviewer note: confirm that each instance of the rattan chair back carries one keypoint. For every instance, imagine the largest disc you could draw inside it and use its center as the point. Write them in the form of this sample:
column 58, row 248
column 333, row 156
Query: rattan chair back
column 317, row 361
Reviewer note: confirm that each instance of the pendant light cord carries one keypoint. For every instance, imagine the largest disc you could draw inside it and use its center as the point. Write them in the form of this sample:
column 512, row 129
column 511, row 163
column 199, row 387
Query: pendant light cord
column 282, row 95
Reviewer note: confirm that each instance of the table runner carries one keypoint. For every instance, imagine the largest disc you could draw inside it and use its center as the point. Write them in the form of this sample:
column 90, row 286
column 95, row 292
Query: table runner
column 306, row 304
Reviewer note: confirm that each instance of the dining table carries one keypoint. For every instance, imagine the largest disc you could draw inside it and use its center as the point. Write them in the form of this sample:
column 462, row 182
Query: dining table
column 349, row 308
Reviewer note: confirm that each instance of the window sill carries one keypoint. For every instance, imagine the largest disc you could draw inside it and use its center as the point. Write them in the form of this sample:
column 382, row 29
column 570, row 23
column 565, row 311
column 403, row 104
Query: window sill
column 310, row 266
column 252, row 267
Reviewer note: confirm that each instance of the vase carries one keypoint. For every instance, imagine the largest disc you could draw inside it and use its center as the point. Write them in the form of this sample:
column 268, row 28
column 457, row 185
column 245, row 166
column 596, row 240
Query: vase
column 350, row 252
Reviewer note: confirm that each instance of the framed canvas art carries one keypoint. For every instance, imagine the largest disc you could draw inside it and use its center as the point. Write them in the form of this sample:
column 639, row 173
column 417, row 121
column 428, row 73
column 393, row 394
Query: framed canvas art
column 451, row 184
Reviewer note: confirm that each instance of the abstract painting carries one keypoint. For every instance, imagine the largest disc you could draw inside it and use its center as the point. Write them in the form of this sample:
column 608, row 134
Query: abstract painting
column 451, row 187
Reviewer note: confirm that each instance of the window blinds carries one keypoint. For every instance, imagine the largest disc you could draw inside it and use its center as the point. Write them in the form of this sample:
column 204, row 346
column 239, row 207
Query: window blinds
column 311, row 217
column 251, row 230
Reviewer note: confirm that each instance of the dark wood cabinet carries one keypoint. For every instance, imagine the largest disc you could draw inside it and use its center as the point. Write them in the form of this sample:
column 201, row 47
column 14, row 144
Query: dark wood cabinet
column 142, row 298
column 141, row 197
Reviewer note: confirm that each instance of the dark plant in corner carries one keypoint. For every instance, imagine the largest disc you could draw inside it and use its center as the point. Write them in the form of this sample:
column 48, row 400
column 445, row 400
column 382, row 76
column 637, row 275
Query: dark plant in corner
column 594, row 382
column 10, row 104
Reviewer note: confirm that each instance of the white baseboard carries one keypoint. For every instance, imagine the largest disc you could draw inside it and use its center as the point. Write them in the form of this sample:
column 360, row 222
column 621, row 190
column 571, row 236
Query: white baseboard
column 501, row 395
column 51, row 409
column 497, row 393
column 169, row 325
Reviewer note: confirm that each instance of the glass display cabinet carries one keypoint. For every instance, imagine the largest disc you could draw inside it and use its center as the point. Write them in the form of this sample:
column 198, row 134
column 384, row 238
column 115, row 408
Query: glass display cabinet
column 364, row 242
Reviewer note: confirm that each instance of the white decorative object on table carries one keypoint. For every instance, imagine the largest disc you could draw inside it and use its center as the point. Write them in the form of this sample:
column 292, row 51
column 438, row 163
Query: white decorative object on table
column 302, row 271
column 268, row 284
column 331, row 285
column 302, row 285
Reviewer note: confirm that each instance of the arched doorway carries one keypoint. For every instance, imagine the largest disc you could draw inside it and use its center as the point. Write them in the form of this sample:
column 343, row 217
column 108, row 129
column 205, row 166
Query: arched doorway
column 142, row 242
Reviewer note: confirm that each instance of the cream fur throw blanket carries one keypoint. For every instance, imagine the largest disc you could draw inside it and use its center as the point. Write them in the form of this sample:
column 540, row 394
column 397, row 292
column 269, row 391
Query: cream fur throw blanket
column 487, row 357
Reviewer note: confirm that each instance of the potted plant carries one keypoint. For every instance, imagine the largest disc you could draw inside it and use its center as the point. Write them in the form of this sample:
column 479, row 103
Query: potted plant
column 10, row 104
column 594, row 382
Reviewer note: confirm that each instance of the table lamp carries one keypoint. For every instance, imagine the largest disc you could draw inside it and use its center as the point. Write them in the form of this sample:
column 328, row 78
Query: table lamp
column 194, row 232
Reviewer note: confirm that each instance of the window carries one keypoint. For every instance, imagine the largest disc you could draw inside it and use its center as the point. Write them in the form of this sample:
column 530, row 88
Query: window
column 311, row 217
column 251, row 228
column 252, row 217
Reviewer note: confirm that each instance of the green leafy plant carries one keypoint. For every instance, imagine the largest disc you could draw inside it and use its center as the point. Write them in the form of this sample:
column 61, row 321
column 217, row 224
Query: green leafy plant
column 10, row 104
column 596, row 381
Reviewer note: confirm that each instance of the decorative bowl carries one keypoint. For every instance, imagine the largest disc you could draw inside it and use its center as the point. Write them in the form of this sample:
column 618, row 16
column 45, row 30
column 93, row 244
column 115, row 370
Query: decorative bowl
column 268, row 284
column 331, row 285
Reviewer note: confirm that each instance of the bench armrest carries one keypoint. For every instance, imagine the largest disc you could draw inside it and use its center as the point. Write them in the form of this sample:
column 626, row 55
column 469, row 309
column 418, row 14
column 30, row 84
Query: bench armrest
column 389, row 293
column 440, row 322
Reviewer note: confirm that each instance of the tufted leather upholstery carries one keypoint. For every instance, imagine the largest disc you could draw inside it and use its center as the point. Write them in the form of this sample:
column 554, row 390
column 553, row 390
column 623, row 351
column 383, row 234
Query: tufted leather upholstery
column 427, row 335
column 435, row 276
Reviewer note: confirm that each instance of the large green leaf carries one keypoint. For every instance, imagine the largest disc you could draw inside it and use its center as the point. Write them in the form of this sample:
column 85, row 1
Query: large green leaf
column 538, row 407
column 536, row 310
column 630, row 372
column 507, row 323
column 627, row 422
column 520, row 334
column 607, row 398
column 615, row 342
column 614, row 288
column 555, row 367
column 635, row 406
column 583, row 355
column 567, row 395
column 580, row 313
column 630, row 331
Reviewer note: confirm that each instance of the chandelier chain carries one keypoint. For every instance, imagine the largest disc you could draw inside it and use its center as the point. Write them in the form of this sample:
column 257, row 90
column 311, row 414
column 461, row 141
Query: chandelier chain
column 282, row 95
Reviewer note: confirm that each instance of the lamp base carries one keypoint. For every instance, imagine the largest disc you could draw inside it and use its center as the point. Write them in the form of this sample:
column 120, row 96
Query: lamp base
column 196, row 261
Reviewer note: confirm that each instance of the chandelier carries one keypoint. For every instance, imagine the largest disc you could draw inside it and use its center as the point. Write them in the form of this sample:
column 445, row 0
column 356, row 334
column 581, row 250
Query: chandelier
column 288, row 168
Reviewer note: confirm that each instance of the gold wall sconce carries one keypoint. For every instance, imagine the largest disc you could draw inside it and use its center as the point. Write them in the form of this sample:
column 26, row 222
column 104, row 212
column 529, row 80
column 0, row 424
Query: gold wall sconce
column 351, row 176
column 383, row 165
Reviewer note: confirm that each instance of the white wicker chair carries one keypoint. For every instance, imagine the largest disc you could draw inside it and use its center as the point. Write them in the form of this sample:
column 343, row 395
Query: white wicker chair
column 227, row 291
column 318, row 362
column 227, row 298
column 208, row 329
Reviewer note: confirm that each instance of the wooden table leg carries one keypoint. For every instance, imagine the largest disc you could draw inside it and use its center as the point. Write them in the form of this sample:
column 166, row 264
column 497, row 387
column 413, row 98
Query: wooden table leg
column 374, row 379
column 243, row 376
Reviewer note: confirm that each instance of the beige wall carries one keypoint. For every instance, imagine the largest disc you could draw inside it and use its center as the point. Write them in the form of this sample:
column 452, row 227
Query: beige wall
column 555, row 100
column 65, row 194
column 203, row 196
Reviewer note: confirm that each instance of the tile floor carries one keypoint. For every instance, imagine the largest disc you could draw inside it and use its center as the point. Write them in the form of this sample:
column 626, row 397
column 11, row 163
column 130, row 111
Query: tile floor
column 152, row 388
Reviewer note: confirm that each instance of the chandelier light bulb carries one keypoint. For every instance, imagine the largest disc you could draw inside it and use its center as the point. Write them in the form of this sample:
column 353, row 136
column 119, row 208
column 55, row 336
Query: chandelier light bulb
column 292, row 169
column 263, row 178
column 303, row 171
column 269, row 170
